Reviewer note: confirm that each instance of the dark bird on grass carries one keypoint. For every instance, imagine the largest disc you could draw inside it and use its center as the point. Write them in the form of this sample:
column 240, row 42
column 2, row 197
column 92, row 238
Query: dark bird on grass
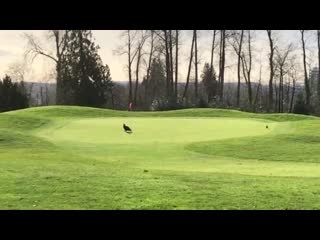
column 267, row 126
column 127, row 129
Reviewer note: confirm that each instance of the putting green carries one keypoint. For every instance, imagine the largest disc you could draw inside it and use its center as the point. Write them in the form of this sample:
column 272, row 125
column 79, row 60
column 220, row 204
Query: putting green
column 80, row 158
column 150, row 130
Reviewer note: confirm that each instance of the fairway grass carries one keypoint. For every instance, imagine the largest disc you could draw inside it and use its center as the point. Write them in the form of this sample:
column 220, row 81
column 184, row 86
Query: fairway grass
column 80, row 158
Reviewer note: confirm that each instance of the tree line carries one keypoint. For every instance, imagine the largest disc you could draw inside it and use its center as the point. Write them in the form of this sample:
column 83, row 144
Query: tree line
column 13, row 95
column 286, row 63
column 153, row 66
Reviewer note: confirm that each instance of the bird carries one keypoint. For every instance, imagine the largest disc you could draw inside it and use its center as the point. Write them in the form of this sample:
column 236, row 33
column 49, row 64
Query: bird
column 91, row 80
column 267, row 126
column 127, row 129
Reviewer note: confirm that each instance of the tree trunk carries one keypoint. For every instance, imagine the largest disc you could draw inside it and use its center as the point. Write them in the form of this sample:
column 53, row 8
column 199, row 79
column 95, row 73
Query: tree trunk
column 249, row 70
column 318, row 86
column 196, row 64
column 257, row 94
column 306, row 81
column 250, row 93
column 112, row 99
column 220, row 54
column 288, row 96
column 222, row 65
column 46, row 95
column 171, row 62
column 137, row 77
column 239, row 69
column 176, row 72
column 59, row 85
column 280, row 90
column 270, row 102
column 282, row 94
column 60, row 44
column 211, row 62
column 168, row 75
column 276, row 102
column 292, row 95
column 129, row 67
column 189, row 69
column 212, row 52
column 80, row 98
column 148, row 69
column 258, row 89
column 41, row 97
column 130, row 84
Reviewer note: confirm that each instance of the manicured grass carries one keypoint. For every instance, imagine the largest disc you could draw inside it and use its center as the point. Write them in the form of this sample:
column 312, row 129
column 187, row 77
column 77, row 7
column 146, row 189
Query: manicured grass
column 301, row 145
column 80, row 158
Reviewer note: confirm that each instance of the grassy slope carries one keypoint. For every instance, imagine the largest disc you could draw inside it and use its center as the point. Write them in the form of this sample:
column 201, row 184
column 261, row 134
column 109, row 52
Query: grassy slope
column 82, row 112
column 301, row 143
column 41, row 167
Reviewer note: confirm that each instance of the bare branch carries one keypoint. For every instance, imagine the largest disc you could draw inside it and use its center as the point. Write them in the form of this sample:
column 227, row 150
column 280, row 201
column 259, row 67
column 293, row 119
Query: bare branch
column 35, row 49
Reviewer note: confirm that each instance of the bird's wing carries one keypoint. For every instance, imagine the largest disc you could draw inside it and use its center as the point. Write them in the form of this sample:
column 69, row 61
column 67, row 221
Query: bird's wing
column 90, row 79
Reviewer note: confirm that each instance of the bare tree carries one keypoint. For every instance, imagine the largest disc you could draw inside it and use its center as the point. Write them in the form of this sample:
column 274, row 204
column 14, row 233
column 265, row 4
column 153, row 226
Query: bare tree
column 318, row 85
column 18, row 70
column 167, row 39
column 171, row 59
column 237, row 46
column 271, row 43
column 196, row 63
column 44, row 87
column 151, row 52
column 281, row 60
column 212, row 51
column 189, row 68
column 306, row 80
column 222, row 63
column 212, row 56
column 167, row 57
column 177, row 64
column 276, row 95
column 239, row 67
column 287, row 97
column 130, row 61
column 293, row 76
column 128, row 49
column 247, row 67
column 35, row 49
column 258, row 91
column 140, row 44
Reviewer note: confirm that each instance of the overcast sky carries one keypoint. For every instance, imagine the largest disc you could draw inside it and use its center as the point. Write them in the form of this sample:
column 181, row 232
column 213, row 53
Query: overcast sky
column 13, row 45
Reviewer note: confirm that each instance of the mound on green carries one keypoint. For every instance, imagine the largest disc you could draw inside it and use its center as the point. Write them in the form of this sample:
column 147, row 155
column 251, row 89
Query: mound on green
column 66, row 157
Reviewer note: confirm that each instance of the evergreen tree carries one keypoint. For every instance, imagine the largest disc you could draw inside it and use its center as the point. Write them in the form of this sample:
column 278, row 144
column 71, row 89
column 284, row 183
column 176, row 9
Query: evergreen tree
column 157, row 81
column 300, row 107
column 85, row 79
column 209, row 81
column 12, row 95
